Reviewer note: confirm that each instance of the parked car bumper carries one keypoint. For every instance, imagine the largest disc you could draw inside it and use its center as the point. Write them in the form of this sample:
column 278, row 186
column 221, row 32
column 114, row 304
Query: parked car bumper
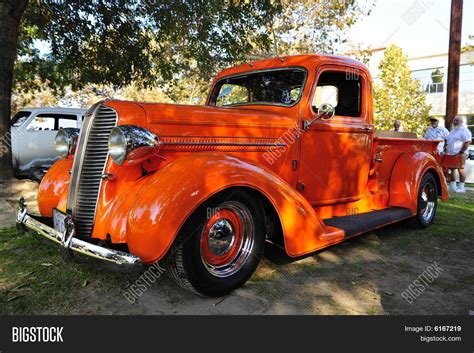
column 72, row 247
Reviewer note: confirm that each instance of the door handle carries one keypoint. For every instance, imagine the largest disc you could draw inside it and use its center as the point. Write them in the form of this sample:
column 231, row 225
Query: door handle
column 368, row 128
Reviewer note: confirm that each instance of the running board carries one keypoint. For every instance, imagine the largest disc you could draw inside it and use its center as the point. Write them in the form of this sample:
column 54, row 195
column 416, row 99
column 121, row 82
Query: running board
column 365, row 222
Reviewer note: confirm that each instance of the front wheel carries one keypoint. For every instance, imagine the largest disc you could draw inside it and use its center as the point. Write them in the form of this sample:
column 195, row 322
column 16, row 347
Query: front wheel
column 427, row 201
column 220, row 245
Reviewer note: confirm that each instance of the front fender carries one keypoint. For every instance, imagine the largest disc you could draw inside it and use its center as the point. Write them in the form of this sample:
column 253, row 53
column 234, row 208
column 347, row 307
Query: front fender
column 54, row 187
column 406, row 177
column 171, row 195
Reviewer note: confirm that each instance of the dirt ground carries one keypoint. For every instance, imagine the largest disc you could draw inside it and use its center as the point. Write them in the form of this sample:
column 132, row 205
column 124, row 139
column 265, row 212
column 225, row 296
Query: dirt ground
column 353, row 278
column 10, row 193
column 363, row 276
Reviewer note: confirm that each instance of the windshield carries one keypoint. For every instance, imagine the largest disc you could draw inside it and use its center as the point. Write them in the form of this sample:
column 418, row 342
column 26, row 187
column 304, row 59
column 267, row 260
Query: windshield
column 20, row 118
column 276, row 87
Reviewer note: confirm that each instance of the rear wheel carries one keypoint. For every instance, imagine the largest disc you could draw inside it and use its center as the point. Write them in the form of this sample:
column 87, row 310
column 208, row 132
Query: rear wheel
column 427, row 201
column 220, row 245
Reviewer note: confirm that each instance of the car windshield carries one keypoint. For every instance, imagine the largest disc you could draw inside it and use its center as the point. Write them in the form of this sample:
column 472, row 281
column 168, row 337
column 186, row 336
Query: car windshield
column 20, row 118
column 276, row 87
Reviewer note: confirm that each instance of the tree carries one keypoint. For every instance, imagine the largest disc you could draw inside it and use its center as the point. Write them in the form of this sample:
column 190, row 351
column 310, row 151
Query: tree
column 177, row 45
column 10, row 16
column 134, row 93
column 40, row 97
column 314, row 26
column 399, row 96
column 120, row 42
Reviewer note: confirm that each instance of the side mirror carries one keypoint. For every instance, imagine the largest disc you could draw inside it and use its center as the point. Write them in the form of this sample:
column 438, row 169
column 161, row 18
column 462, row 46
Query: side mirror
column 325, row 112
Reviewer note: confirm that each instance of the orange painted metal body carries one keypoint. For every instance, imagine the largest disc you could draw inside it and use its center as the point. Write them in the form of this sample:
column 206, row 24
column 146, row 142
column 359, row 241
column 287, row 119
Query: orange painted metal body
column 53, row 190
column 207, row 149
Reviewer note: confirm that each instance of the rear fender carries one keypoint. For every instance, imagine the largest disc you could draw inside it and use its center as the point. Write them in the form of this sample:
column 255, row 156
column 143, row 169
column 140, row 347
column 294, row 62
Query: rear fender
column 171, row 195
column 406, row 177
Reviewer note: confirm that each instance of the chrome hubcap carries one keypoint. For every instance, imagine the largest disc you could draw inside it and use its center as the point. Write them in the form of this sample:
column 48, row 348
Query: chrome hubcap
column 227, row 239
column 221, row 237
column 427, row 202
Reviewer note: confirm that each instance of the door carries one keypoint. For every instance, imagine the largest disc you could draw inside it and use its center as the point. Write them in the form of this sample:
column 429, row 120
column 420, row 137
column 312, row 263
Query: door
column 335, row 155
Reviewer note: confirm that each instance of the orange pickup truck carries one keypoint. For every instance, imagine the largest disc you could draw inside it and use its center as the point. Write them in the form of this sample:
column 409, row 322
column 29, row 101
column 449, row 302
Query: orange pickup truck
column 284, row 150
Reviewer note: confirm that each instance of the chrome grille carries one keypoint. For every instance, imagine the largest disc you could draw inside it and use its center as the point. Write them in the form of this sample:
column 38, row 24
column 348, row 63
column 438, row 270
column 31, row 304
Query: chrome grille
column 89, row 164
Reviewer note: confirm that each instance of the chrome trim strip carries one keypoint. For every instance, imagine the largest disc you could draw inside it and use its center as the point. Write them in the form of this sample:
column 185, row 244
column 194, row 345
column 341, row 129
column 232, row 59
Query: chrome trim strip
column 252, row 144
column 116, row 257
column 79, row 157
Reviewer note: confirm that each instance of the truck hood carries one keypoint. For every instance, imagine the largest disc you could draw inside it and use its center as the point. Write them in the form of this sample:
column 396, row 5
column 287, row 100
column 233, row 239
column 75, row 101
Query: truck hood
column 188, row 114
column 190, row 120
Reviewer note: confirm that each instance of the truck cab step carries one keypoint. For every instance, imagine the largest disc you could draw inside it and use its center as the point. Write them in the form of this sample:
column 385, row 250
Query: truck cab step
column 365, row 222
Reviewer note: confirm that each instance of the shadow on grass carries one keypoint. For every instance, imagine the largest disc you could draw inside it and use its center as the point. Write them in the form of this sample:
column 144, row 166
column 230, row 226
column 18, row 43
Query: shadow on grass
column 364, row 275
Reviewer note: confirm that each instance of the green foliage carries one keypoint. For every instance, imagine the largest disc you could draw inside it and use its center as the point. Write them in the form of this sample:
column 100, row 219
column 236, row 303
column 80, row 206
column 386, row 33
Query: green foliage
column 235, row 94
column 141, row 41
column 175, row 45
column 34, row 97
column 134, row 93
column 314, row 26
column 399, row 96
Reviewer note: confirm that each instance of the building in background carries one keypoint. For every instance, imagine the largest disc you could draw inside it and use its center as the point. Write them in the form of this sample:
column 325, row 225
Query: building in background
column 432, row 71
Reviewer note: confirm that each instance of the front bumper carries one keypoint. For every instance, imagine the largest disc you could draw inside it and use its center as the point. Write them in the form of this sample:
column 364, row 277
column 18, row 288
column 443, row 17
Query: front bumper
column 73, row 247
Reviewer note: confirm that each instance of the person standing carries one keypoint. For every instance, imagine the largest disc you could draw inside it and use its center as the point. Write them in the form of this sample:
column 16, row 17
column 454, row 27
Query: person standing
column 436, row 132
column 397, row 125
column 458, row 142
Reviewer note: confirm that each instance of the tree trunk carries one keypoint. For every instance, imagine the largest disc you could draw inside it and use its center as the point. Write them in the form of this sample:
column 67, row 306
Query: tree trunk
column 11, row 12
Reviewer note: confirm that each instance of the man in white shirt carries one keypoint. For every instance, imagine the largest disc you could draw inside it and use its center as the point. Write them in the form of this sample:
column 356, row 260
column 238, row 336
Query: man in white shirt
column 436, row 132
column 458, row 142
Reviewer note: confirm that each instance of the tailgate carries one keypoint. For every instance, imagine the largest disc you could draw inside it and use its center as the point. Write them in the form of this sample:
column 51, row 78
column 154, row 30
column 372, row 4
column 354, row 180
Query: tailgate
column 450, row 161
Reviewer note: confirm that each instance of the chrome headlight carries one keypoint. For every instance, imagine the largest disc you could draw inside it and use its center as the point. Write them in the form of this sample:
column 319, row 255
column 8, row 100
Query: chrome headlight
column 130, row 144
column 65, row 141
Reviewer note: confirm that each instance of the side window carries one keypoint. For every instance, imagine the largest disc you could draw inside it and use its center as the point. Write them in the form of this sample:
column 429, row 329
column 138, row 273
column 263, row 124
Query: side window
column 41, row 123
column 20, row 118
column 340, row 89
column 68, row 122
column 232, row 94
column 52, row 122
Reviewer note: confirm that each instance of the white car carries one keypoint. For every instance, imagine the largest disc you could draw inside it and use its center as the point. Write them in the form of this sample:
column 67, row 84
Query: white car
column 33, row 131
column 471, row 152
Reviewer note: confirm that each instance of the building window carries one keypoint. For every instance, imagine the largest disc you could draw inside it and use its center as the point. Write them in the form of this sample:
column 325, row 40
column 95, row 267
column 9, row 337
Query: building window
column 437, row 84
column 432, row 80
column 466, row 78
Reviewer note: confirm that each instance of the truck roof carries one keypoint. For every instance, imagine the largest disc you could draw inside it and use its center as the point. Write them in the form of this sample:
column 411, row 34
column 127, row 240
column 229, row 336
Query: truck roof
column 307, row 61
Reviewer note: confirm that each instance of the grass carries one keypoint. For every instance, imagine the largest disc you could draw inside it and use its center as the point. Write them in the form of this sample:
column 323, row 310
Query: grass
column 387, row 261
column 35, row 279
